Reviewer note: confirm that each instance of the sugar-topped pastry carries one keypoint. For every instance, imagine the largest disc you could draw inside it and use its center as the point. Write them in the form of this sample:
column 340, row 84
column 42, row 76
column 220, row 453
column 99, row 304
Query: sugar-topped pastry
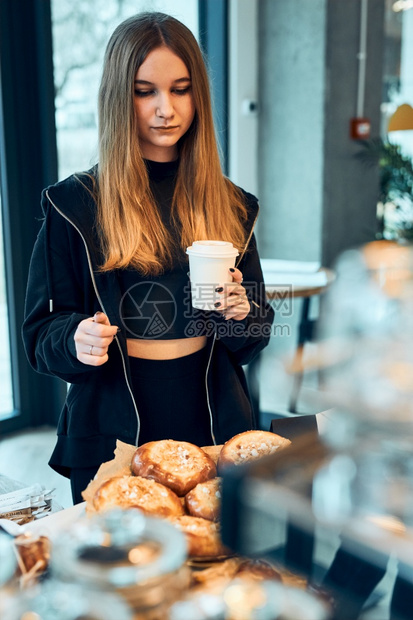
column 205, row 500
column 179, row 465
column 250, row 446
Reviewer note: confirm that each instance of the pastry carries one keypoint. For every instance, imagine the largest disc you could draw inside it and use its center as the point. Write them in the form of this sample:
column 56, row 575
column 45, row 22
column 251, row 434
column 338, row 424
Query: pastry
column 249, row 446
column 136, row 492
column 202, row 536
column 178, row 465
column 258, row 569
column 205, row 500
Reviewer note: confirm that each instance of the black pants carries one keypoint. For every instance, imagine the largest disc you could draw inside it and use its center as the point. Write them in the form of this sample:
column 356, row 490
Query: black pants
column 171, row 399
column 79, row 479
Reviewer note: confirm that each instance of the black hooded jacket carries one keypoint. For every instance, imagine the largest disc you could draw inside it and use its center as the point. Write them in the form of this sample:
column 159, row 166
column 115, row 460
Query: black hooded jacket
column 65, row 286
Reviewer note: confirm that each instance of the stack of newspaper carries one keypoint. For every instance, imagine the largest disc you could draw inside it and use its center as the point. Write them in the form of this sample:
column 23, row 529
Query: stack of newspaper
column 26, row 504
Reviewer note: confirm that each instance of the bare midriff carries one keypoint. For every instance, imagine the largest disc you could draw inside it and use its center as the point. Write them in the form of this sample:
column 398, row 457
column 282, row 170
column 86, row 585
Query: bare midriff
column 165, row 349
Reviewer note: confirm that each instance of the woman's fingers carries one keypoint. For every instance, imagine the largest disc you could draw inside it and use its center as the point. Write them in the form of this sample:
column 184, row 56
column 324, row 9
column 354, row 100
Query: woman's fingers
column 229, row 294
column 95, row 351
column 101, row 318
column 92, row 360
column 236, row 274
column 92, row 339
column 100, row 329
column 232, row 298
column 238, row 307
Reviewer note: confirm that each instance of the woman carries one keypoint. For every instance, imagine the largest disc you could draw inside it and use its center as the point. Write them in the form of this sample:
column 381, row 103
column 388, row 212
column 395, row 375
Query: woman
column 107, row 306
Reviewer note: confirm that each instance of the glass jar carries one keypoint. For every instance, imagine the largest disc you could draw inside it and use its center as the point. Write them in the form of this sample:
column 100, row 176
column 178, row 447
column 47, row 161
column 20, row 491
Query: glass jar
column 141, row 558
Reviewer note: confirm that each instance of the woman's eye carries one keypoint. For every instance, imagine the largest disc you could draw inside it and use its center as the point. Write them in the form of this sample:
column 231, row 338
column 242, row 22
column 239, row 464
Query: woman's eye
column 175, row 91
column 143, row 93
column 181, row 91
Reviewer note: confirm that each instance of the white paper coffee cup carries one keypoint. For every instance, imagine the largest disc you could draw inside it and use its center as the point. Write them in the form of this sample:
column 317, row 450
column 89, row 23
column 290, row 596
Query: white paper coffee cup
column 209, row 262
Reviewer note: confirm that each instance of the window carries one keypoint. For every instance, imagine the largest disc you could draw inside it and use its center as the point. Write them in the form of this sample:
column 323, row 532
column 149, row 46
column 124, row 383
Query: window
column 395, row 208
column 27, row 164
column 398, row 70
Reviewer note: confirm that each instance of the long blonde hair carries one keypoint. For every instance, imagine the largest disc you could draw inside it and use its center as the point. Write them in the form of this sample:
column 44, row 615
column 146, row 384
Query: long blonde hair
column 205, row 203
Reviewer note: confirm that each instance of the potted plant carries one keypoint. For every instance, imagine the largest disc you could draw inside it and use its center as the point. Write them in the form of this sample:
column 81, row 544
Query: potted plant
column 395, row 205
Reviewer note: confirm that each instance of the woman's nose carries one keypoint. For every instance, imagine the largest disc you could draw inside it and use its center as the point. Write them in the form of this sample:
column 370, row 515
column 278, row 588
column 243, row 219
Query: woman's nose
column 165, row 108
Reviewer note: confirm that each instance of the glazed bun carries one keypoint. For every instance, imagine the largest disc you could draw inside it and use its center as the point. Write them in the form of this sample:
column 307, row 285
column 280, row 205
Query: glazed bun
column 178, row 465
column 250, row 446
column 136, row 492
column 202, row 536
column 258, row 569
column 219, row 575
column 205, row 500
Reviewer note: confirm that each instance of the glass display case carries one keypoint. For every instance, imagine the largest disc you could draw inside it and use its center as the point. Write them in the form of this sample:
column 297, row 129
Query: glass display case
column 288, row 505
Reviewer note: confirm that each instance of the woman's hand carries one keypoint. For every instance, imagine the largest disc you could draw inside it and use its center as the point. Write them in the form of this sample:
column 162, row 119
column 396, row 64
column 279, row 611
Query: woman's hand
column 232, row 298
column 92, row 339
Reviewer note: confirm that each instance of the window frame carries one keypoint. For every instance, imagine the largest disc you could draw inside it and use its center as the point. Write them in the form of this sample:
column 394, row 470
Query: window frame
column 28, row 164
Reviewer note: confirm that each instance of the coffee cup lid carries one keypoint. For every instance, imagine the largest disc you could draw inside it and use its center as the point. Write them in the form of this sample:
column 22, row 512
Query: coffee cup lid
column 212, row 249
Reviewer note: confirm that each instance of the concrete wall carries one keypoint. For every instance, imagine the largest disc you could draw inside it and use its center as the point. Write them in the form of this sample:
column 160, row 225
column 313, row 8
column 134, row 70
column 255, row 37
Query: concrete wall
column 291, row 94
column 350, row 189
column 243, row 93
column 316, row 198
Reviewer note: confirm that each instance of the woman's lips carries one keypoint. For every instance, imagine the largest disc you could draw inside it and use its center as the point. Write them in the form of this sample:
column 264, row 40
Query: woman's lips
column 165, row 128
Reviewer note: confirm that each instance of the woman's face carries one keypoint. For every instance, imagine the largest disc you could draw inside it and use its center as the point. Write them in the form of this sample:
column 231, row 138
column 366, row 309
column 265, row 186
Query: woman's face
column 164, row 104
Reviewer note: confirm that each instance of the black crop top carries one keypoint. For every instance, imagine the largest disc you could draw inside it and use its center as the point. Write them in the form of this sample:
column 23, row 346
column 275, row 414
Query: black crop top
column 159, row 307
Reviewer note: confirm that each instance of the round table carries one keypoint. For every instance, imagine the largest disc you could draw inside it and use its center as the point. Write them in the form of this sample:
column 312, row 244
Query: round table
column 288, row 280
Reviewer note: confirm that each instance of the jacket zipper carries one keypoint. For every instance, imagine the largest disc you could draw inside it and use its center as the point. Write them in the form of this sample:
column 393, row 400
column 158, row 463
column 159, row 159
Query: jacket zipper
column 103, row 308
column 207, row 392
column 215, row 337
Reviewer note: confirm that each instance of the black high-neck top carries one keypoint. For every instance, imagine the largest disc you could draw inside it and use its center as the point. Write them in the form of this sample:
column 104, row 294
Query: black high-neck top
column 159, row 307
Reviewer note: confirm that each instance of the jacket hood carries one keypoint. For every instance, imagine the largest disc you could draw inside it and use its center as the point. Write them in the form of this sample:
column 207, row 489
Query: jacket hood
column 73, row 199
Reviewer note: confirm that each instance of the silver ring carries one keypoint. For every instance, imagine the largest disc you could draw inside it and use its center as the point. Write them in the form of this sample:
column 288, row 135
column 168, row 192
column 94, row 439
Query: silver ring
column 91, row 349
